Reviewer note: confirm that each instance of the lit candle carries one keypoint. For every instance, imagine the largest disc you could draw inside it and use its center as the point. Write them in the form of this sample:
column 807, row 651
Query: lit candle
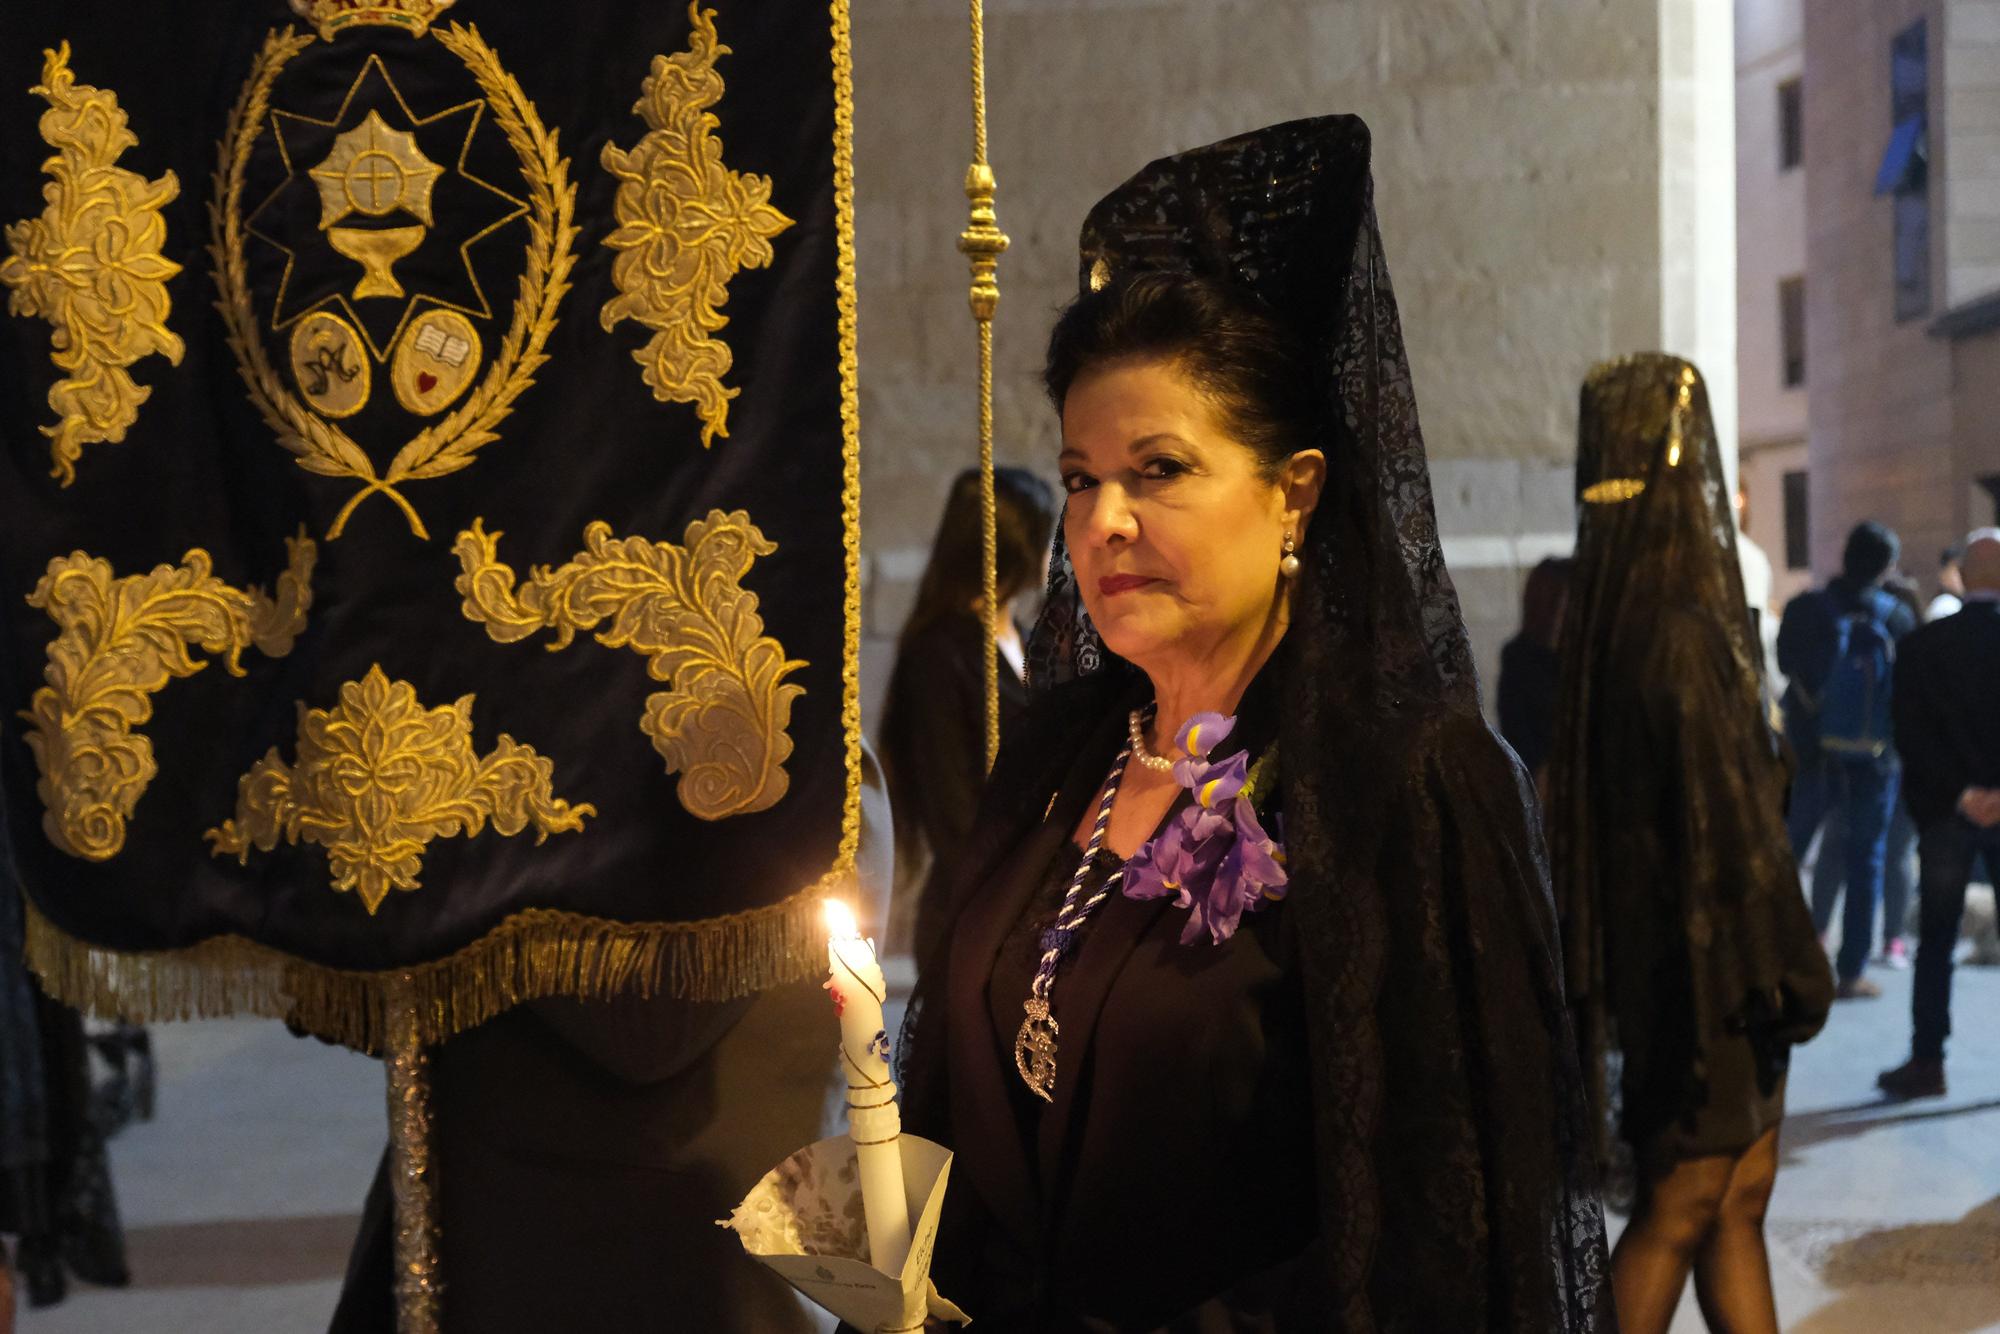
column 873, row 1122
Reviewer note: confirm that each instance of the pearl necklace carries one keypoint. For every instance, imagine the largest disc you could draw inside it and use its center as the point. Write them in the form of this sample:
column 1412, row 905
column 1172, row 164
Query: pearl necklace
column 1135, row 731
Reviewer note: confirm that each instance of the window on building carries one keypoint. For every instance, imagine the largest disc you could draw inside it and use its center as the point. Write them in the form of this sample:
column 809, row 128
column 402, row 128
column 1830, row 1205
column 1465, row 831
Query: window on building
column 1791, row 125
column 1905, row 173
column 1798, row 538
column 1913, row 256
column 1792, row 329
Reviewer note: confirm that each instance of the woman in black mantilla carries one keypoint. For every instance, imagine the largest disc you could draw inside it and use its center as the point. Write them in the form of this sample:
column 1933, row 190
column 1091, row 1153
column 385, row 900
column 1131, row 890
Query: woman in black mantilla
column 1689, row 948
column 934, row 714
column 1305, row 1064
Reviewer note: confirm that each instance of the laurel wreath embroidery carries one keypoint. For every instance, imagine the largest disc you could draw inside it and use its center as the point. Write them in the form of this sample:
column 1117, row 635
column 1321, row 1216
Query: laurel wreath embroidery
column 120, row 642
column 451, row 443
column 91, row 265
column 721, row 724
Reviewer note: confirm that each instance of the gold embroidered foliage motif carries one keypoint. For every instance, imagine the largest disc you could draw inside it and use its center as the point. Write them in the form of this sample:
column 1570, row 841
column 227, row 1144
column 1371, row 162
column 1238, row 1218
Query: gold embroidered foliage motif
column 379, row 777
column 121, row 641
column 452, row 442
column 721, row 726
column 91, row 265
column 686, row 224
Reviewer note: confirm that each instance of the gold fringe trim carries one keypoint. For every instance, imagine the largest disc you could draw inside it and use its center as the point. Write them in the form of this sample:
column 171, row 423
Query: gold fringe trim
column 531, row 956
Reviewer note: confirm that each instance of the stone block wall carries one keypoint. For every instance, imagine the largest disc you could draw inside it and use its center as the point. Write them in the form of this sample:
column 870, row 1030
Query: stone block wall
column 1519, row 173
column 1971, row 151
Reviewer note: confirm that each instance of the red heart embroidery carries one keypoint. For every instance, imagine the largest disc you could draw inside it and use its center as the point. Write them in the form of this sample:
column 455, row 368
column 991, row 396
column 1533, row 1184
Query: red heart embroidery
column 426, row 382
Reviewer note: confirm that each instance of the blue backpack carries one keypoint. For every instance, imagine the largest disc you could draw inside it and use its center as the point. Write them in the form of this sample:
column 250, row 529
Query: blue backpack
column 1854, row 703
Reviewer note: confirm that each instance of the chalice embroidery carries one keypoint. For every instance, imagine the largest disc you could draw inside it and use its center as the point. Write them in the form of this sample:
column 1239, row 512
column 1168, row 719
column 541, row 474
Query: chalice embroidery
column 374, row 171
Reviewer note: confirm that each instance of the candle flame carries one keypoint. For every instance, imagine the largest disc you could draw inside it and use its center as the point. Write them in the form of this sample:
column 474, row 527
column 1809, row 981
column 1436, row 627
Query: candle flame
column 840, row 922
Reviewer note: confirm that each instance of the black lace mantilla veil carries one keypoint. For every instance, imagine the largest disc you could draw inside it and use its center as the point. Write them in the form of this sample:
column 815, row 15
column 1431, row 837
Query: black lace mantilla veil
column 1456, row 1187
column 1657, row 607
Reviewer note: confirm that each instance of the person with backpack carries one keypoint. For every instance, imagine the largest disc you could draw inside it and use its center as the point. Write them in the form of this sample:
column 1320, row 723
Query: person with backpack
column 1837, row 647
column 1899, row 869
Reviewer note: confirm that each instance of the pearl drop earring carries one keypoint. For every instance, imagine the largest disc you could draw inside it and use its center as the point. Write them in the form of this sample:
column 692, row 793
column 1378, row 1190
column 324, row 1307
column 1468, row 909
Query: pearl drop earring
column 1289, row 565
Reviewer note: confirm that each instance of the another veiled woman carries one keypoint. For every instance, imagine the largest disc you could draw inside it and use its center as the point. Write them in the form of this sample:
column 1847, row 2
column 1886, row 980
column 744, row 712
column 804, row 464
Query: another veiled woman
column 934, row 714
column 1250, row 1015
column 1689, row 949
column 1530, row 665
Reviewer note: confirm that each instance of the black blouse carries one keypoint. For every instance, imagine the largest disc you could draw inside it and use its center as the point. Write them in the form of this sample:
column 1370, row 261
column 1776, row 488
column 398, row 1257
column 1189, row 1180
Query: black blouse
column 1170, row 1183
column 933, row 756
column 1529, row 680
column 1021, row 954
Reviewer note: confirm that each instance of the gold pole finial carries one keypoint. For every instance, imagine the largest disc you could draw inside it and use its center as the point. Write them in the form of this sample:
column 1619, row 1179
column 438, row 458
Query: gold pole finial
column 983, row 242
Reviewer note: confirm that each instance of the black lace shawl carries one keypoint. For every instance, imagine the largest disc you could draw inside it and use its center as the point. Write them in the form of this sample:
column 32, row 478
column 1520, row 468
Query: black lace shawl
column 1667, row 784
column 1455, row 1184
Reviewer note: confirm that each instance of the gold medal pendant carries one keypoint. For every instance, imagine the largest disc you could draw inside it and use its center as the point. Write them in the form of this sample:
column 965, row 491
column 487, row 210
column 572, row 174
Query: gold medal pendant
column 1035, row 1044
column 1035, row 1049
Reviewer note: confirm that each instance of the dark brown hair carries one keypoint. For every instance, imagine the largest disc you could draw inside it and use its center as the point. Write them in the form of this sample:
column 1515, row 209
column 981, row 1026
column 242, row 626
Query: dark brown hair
column 1024, row 512
column 1232, row 345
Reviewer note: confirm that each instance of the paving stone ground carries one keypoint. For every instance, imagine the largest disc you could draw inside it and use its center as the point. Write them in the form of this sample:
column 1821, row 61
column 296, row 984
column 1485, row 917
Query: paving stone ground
column 240, row 1197
column 1886, row 1217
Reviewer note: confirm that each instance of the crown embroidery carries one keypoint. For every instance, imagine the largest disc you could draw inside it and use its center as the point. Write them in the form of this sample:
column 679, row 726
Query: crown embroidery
column 333, row 17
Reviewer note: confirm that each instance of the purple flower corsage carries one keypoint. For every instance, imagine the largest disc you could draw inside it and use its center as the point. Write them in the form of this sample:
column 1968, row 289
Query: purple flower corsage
column 1213, row 858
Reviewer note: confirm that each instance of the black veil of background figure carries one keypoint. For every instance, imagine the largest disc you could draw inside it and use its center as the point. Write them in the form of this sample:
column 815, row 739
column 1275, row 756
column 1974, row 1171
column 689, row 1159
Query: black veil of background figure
column 1687, row 943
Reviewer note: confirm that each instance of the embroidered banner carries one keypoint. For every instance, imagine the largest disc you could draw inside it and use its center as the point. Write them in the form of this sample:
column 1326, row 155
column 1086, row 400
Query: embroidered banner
column 428, row 485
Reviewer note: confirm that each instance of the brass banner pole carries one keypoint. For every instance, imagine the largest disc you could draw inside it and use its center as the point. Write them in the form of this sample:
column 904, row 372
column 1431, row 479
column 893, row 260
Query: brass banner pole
column 412, row 1177
column 983, row 243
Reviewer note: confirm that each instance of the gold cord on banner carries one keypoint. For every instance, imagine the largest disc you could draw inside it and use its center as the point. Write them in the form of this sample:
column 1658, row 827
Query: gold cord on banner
column 412, row 1171
column 983, row 243
column 847, row 301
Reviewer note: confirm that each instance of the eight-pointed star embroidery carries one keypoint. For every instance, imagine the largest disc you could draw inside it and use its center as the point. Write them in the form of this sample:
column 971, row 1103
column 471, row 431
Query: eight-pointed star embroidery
column 364, row 210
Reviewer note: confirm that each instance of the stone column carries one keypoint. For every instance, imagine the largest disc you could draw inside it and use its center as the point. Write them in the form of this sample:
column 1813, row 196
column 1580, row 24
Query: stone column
column 1698, row 200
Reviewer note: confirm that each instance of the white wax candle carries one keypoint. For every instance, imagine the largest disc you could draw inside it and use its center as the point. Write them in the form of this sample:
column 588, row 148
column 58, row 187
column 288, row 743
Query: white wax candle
column 873, row 1122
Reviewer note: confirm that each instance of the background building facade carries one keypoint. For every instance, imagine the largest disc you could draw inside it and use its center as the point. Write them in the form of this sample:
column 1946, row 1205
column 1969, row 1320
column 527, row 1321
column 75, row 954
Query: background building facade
column 1902, row 128
column 1773, row 354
